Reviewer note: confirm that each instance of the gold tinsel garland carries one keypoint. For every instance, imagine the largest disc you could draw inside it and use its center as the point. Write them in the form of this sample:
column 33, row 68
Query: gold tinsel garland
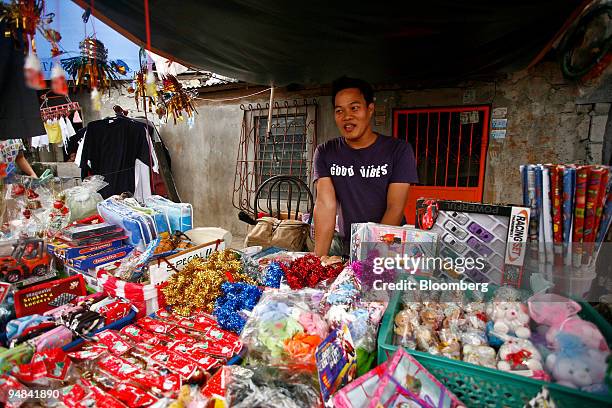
column 198, row 285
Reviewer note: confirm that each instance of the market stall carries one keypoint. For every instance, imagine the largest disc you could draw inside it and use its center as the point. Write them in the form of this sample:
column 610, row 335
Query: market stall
column 111, row 296
column 120, row 307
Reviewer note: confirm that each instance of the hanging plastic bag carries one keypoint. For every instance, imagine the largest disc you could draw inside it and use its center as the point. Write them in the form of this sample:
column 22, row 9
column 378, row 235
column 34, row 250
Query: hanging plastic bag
column 83, row 200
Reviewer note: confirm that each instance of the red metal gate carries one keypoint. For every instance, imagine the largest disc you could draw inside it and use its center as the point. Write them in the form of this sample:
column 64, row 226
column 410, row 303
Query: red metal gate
column 450, row 146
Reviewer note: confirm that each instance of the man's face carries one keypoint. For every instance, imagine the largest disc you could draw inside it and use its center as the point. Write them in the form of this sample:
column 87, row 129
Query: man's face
column 352, row 114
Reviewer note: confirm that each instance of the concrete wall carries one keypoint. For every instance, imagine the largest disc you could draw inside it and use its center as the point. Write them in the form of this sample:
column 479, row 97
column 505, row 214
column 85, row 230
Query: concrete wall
column 545, row 125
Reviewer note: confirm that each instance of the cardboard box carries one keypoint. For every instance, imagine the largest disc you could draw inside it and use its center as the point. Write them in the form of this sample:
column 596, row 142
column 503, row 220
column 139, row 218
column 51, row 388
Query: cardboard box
column 388, row 241
column 160, row 271
column 95, row 260
column 496, row 234
column 65, row 252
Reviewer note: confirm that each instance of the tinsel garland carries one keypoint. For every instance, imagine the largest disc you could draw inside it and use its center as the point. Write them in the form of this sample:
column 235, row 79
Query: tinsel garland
column 308, row 271
column 273, row 276
column 198, row 285
column 236, row 297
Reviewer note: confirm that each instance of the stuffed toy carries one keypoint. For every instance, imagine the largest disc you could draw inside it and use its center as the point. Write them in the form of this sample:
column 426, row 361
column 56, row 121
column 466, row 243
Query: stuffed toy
column 509, row 318
column 577, row 366
column 519, row 355
column 558, row 314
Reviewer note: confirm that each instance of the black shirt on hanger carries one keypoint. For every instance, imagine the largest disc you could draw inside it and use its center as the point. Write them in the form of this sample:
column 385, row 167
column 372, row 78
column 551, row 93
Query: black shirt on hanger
column 110, row 149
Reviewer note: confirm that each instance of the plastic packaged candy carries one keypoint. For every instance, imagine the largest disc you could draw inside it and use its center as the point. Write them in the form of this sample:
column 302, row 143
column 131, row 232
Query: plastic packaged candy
column 450, row 345
column 267, row 387
column 406, row 321
column 481, row 355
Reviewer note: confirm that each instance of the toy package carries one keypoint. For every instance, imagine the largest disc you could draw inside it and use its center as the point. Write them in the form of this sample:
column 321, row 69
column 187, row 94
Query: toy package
column 493, row 235
column 48, row 295
column 360, row 392
column 336, row 361
column 387, row 241
column 24, row 261
column 406, row 381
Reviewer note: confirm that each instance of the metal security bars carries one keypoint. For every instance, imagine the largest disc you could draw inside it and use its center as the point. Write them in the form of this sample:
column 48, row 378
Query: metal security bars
column 287, row 150
column 450, row 146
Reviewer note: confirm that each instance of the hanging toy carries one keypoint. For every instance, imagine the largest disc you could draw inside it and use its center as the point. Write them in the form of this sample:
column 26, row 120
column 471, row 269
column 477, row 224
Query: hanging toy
column 96, row 100
column 77, row 118
column 177, row 99
column 92, row 69
column 58, row 80
column 33, row 72
column 150, row 85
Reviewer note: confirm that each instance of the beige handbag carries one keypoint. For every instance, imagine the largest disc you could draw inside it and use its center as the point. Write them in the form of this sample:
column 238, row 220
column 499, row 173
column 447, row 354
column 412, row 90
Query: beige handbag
column 272, row 232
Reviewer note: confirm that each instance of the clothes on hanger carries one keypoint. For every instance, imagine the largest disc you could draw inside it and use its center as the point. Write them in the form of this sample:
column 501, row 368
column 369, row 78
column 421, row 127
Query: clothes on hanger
column 54, row 131
column 111, row 147
column 41, row 141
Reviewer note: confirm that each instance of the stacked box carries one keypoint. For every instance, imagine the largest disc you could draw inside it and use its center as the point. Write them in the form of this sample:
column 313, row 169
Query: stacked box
column 494, row 234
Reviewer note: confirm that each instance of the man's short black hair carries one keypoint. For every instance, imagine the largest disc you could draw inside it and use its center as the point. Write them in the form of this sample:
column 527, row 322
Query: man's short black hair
column 346, row 82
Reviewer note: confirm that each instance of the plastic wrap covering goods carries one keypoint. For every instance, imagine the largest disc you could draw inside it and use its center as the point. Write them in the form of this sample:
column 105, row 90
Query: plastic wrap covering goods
column 179, row 216
column 139, row 227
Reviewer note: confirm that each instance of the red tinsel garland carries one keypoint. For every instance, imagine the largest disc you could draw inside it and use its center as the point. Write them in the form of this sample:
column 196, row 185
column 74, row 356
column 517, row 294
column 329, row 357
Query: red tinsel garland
column 308, row 271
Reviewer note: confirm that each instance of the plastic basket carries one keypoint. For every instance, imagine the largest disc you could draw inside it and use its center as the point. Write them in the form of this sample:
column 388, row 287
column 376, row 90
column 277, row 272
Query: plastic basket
column 478, row 386
column 116, row 325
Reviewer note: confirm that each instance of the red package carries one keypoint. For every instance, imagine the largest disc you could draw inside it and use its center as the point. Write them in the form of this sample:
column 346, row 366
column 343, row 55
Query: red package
column 170, row 383
column 154, row 325
column 56, row 363
column 115, row 311
column 149, row 349
column 138, row 334
column 105, row 400
column 199, row 326
column 75, row 396
column 133, row 396
column 164, row 314
column 175, row 362
column 218, row 348
column 217, row 333
column 118, row 367
column 30, row 372
column 115, row 343
column 184, row 335
column 88, row 354
column 217, row 385
column 45, row 296
column 204, row 360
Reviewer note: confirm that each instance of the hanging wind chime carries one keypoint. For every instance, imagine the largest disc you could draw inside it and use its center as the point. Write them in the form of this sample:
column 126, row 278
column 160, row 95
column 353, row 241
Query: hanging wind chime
column 171, row 98
column 23, row 19
column 91, row 69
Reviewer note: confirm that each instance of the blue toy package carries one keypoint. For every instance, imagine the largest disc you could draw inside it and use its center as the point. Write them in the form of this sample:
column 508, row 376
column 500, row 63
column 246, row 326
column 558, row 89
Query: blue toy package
column 179, row 216
column 336, row 361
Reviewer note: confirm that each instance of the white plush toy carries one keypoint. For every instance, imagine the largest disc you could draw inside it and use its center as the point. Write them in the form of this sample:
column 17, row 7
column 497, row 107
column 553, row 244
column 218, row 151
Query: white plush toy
column 577, row 366
column 519, row 355
column 510, row 318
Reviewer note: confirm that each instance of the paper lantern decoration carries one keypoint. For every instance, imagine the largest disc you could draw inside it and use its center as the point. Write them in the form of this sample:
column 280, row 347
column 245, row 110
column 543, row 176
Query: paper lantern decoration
column 91, row 69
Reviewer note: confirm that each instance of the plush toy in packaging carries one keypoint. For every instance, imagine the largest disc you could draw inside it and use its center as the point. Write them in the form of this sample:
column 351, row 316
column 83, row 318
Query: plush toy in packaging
column 560, row 314
column 521, row 357
column 577, row 366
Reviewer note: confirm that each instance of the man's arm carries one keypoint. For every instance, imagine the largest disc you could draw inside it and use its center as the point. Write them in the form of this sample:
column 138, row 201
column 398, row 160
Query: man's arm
column 324, row 215
column 23, row 164
column 397, row 196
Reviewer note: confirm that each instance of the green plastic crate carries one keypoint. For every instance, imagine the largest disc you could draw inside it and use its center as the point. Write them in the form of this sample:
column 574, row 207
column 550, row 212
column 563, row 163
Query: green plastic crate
column 478, row 386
